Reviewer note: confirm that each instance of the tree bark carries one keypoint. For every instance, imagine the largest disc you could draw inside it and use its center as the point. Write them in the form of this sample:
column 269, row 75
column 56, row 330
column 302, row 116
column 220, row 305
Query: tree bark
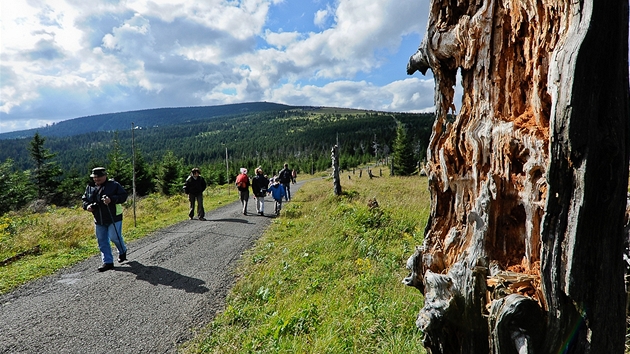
column 523, row 247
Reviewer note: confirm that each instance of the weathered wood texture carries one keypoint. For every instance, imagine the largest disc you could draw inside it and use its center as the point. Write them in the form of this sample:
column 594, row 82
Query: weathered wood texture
column 529, row 181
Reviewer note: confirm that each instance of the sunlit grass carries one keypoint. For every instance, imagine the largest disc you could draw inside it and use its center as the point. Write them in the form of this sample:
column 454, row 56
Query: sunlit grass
column 326, row 276
column 43, row 243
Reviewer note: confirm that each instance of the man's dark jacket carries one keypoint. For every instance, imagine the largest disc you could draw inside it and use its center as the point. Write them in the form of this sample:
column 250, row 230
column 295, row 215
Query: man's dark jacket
column 94, row 194
column 285, row 176
column 194, row 186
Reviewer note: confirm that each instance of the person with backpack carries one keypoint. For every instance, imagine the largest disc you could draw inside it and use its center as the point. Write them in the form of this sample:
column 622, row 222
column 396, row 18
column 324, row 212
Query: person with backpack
column 194, row 187
column 285, row 179
column 277, row 192
column 242, row 184
column 259, row 188
column 103, row 198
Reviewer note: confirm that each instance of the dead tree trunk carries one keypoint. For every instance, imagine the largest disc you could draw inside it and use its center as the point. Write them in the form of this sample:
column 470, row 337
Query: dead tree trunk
column 523, row 248
column 334, row 155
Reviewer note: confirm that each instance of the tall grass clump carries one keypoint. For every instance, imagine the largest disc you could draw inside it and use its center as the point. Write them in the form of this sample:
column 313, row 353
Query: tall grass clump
column 35, row 244
column 326, row 276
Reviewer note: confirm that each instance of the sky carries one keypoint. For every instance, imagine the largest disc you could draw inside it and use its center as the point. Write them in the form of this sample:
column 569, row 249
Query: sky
column 63, row 59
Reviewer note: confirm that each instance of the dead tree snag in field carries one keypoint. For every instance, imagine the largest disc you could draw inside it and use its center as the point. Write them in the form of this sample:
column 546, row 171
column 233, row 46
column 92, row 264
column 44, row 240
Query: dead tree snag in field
column 523, row 248
column 334, row 155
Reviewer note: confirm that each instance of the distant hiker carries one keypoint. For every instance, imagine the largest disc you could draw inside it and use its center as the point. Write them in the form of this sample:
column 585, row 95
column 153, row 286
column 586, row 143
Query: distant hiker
column 260, row 183
column 194, row 187
column 242, row 183
column 285, row 179
column 293, row 176
column 103, row 198
column 277, row 192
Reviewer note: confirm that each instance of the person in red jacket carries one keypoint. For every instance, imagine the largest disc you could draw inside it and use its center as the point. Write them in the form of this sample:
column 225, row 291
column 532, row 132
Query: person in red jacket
column 242, row 183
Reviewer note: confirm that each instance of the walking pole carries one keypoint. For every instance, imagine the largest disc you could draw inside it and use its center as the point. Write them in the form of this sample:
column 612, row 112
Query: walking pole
column 114, row 223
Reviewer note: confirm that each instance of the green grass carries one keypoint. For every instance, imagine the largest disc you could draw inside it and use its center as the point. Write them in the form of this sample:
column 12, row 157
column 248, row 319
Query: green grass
column 65, row 236
column 326, row 276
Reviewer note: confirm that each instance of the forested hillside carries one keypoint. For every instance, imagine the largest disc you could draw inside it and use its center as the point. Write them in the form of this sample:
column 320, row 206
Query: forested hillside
column 164, row 154
column 158, row 117
column 295, row 134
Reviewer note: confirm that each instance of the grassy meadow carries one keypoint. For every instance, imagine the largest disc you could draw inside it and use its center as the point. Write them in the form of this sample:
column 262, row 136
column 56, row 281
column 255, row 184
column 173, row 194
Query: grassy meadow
column 326, row 276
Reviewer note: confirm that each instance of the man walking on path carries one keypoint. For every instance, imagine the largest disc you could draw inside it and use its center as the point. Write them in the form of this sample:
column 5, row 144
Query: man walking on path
column 103, row 198
column 194, row 187
column 285, row 177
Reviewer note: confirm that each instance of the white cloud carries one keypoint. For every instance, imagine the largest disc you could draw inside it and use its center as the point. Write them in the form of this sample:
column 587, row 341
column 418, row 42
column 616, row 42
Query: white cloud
column 321, row 16
column 399, row 96
column 69, row 58
column 281, row 40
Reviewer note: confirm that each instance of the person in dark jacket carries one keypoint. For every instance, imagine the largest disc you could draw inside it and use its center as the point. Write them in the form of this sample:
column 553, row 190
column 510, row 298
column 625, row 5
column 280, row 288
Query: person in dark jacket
column 285, row 177
column 259, row 187
column 194, row 187
column 103, row 198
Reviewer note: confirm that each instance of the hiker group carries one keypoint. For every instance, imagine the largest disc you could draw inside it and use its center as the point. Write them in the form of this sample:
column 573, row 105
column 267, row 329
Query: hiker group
column 104, row 197
column 279, row 187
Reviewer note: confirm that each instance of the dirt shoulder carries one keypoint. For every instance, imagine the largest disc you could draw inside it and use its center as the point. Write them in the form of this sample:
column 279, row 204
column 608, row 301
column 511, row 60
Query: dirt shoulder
column 175, row 280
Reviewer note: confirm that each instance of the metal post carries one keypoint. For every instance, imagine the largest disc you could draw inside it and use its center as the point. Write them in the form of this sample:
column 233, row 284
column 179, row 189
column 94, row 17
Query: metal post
column 227, row 171
column 133, row 176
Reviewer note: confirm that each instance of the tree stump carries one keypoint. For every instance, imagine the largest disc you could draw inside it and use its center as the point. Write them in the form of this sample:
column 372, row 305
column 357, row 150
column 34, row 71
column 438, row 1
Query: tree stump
column 523, row 247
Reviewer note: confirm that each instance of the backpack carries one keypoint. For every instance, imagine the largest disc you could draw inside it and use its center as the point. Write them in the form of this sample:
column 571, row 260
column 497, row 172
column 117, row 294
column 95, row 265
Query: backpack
column 241, row 182
column 285, row 176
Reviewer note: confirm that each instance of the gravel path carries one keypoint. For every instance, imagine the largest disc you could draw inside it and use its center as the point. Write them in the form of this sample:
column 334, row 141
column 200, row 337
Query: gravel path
column 175, row 280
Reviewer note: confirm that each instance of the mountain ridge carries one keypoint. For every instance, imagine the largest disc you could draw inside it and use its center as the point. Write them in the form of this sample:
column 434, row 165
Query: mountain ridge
column 144, row 118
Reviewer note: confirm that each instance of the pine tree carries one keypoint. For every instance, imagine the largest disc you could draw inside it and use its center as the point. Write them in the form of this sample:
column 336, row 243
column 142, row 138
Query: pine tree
column 144, row 180
column 47, row 172
column 16, row 189
column 170, row 179
column 120, row 166
column 403, row 158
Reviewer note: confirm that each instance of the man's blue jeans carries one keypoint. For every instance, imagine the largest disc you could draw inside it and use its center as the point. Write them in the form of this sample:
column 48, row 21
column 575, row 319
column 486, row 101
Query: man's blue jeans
column 287, row 191
column 107, row 233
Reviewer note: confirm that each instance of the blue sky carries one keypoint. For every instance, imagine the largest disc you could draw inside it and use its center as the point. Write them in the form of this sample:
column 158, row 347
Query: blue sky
column 64, row 59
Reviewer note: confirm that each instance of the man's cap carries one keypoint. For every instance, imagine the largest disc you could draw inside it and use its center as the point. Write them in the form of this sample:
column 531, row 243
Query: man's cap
column 243, row 170
column 196, row 169
column 98, row 172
